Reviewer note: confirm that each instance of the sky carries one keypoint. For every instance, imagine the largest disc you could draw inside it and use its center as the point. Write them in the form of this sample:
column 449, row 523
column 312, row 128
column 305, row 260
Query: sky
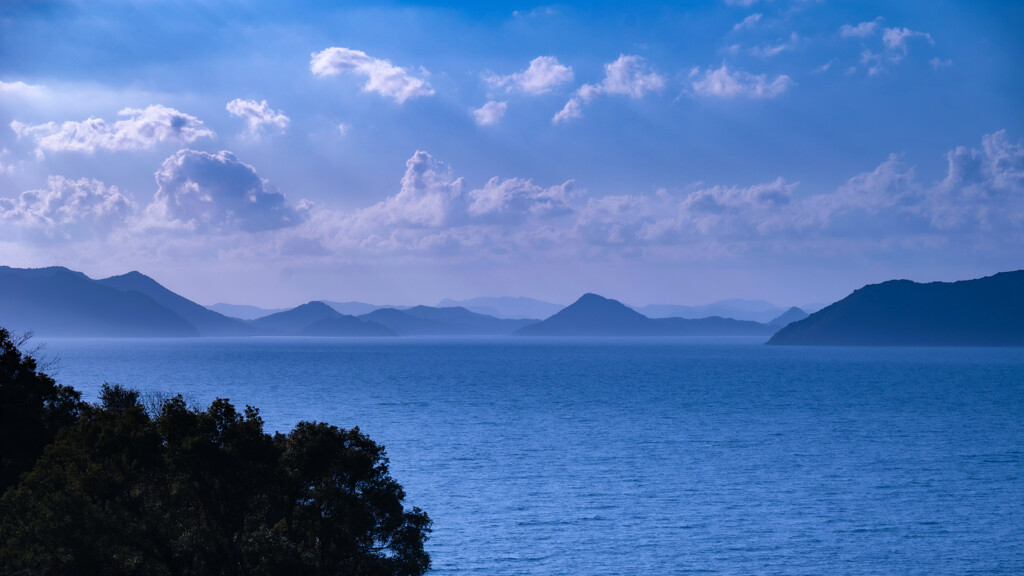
column 271, row 153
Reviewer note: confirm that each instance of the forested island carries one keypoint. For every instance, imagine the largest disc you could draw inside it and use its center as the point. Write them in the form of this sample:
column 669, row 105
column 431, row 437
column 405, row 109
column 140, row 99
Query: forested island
column 155, row 486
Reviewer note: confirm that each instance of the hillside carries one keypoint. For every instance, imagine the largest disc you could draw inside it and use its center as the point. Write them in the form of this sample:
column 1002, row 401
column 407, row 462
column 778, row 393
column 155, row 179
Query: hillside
column 983, row 312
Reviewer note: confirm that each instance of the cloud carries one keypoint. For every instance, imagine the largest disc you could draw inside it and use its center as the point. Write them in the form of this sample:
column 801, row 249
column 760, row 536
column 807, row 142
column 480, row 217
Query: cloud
column 896, row 38
column 19, row 88
column 940, row 63
column 382, row 76
column 258, row 116
column 67, row 210
column 543, row 74
column 770, row 50
column 627, row 76
column 203, row 192
column 741, row 2
column 722, row 83
column 489, row 113
column 748, row 22
column 514, row 200
column 862, row 30
column 140, row 129
column 572, row 110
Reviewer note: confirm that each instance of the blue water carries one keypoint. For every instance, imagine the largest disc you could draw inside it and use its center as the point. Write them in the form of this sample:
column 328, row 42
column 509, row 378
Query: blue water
column 609, row 457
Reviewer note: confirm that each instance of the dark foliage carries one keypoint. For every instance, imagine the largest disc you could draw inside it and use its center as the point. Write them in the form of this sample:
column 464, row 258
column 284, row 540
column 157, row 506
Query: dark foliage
column 32, row 409
column 182, row 491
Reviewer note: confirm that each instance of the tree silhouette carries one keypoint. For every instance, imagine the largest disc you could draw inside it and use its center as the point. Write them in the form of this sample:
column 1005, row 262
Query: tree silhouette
column 183, row 491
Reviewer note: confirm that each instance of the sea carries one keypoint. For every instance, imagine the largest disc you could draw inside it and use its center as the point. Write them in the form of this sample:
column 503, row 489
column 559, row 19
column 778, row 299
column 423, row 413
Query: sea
column 541, row 457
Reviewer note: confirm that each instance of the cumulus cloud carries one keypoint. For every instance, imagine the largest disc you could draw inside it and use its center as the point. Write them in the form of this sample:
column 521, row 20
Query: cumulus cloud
column 515, row 199
column 258, row 116
column 203, row 192
column 140, row 129
column 862, row 30
column 381, row 76
column 544, row 74
column 489, row 113
column 67, row 210
column 723, row 83
column 627, row 76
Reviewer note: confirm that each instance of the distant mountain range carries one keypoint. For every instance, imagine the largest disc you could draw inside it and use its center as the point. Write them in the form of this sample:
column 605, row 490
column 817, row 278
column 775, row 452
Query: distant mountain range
column 505, row 307
column 593, row 315
column 60, row 302
column 984, row 312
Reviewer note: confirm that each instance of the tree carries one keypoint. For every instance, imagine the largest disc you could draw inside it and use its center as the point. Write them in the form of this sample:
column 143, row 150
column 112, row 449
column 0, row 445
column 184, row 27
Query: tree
column 187, row 492
column 32, row 409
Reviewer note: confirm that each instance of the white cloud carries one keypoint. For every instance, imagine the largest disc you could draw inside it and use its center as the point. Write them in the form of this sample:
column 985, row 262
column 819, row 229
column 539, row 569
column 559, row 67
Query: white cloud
column 381, row 76
column 19, row 88
column 722, row 83
column 862, row 30
column 748, row 22
column 770, row 50
column 543, row 74
column 940, row 63
column 343, row 129
column 573, row 109
column 627, row 76
column 515, row 199
column 258, row 116
column 141, row 129
column 204, row 192
column 741, row 2
column 489, row 113
column 896, row 38
column 67, row 210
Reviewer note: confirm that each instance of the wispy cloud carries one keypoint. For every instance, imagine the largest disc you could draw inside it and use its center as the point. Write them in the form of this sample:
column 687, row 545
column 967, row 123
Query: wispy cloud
column 382, row 77
column 140, row 129
column 862, row 30
column 748, row 22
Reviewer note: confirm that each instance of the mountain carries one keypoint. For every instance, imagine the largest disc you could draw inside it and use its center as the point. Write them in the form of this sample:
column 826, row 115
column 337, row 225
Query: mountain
column 355, row 308
column 753, row 310
column 505, row 307
column 294, row 320
column 451, row 321
column 788, row 317
column 983, row 312
column 59, row 302
column 593, row 315
column 206, row 321
column 345, row 325
column 243, row 311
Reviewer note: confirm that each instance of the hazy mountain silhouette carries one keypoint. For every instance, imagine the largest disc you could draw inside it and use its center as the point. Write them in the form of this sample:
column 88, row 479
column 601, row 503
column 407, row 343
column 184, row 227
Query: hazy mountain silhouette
column 59, row 302
column 294, row 320
column 505, row 307
column 244, row 312
column 345, row 325
column 453, row 321
column 738, row 309
column 206, row 321
column 594, row 315
column 984, row 312
column 789, row 316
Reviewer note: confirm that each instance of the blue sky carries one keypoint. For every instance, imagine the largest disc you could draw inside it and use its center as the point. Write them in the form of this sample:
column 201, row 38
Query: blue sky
column 272, row 153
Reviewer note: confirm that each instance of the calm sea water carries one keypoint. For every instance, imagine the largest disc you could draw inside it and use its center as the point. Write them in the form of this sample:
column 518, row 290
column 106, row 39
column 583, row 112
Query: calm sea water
column 630, row 457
